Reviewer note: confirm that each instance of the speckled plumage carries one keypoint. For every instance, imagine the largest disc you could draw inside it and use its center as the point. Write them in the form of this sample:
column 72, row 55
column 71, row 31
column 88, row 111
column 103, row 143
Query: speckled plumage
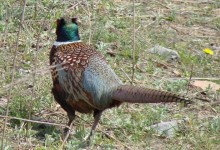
column 81, row 71
column 84, row 82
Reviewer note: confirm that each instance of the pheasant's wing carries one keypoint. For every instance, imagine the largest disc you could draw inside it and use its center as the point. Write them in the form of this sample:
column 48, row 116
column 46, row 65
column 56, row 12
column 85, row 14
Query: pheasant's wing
column 100, row 80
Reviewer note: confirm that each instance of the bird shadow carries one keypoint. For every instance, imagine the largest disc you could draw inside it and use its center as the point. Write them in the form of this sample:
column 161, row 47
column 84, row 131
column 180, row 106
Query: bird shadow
column 75, row 139
column 44, row 130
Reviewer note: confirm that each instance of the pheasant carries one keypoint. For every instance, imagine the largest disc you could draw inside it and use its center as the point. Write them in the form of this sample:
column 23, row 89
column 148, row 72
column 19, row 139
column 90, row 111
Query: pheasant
column 84, row 82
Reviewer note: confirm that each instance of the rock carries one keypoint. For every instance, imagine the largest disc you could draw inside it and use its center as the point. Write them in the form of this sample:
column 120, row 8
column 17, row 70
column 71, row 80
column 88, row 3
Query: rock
column 169, row 54
column 167, row 129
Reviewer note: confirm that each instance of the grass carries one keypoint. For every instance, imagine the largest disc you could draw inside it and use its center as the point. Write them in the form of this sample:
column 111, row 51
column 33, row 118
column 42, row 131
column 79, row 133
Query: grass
column 185, row 26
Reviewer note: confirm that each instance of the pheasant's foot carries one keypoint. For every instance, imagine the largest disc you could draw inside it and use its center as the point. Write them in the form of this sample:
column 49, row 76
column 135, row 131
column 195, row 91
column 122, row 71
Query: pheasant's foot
column 67, row 133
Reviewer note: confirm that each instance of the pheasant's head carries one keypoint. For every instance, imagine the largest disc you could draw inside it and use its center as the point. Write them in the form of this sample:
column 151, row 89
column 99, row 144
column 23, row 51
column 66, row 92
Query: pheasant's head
column 67, row 30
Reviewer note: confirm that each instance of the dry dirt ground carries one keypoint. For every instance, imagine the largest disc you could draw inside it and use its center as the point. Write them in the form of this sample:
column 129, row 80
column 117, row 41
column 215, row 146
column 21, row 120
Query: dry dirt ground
column 35, row 121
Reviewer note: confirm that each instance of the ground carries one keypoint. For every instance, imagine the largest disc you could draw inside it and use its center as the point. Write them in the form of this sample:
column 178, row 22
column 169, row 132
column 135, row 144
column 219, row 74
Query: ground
column 124, row 36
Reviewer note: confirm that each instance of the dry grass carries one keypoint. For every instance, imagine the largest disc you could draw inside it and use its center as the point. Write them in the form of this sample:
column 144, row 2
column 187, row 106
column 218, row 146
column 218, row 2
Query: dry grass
column 35, row 121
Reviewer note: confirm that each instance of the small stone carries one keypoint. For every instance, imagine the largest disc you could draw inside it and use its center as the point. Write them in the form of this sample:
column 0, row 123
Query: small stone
column 169, row 54
column 167, row 129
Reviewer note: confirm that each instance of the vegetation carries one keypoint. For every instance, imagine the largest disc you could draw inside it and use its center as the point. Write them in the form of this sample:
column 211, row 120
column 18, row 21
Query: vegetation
column 27, row 32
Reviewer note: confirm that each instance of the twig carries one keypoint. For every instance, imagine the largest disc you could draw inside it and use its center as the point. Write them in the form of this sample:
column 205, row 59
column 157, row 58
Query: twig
column 90, row 23
column 13, row 70
column 190, row 79
column 126, row 75
column 35, row 121
column 202, row 99
column 5, row 37
column 73, row 6
column 115, row 139
column 215, row 103
column 40, row 71
column 162, row 4
column 67, row 136
column 35, row 58
column 133, row 50
column 193, row 78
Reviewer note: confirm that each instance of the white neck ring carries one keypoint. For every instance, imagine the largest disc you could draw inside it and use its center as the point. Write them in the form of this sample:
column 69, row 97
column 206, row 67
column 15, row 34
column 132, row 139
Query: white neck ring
column 64, row 43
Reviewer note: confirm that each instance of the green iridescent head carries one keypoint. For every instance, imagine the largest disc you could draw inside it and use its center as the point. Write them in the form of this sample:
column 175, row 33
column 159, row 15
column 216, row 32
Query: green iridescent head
column 67, row 30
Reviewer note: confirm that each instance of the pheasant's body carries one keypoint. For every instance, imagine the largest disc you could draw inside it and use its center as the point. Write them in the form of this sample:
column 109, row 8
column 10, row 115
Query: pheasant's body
column 84, row 82
column 84, row 75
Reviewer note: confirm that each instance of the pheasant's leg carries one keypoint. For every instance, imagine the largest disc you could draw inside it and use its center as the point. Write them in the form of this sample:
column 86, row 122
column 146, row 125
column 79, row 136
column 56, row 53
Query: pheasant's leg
column 66, row 134
column 71, row 117
column 97, row 115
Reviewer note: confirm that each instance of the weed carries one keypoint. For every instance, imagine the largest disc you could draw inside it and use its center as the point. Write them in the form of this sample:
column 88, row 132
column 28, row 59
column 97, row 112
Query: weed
column 187, row 27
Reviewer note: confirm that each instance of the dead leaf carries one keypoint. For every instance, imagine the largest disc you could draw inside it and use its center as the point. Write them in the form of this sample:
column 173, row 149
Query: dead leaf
column 161, row 65
column 117, row 1
column 216, row 12
column 177, row 73
column 111, row 53
column 3, row 102
column 204, row 85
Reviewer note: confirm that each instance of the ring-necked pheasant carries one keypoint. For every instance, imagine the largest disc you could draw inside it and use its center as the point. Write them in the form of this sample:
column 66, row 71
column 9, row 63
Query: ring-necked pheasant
column 84, row 82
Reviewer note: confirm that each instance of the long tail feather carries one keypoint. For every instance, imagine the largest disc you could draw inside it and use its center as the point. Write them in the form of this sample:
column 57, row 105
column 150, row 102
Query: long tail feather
column 133, row 94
